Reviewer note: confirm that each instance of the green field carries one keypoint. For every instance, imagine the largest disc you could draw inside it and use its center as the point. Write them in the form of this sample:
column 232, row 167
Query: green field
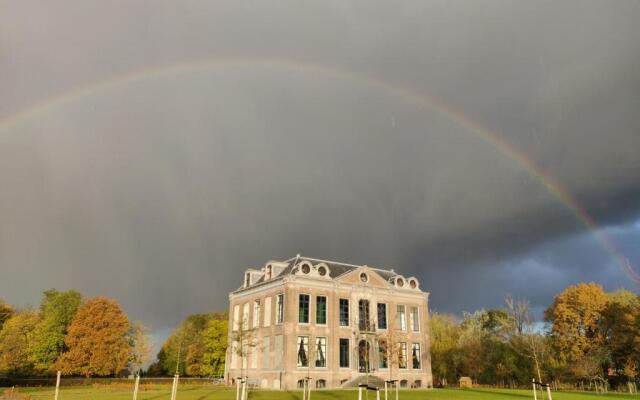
column 199, row 392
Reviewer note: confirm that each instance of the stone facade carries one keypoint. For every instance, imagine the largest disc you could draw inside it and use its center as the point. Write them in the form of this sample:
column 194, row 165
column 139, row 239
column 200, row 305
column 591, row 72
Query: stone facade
column 330, row 321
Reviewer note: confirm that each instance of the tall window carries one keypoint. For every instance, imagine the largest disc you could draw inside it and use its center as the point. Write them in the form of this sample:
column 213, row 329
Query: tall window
column 245, row 316
column 267, row 311
column 280, row 308
column 363, row 310
column 236, row 317
column 303, row 351
column 344, row 353
column 402, row 357
column 415, row 319
column 416, row 356
column 266, row 343
column 321, row 310
column 382, row 316
column 303, row 308
column 344, row 312
column 401, row 320
column 321, row 352
column 383, row 361
column 256, row 313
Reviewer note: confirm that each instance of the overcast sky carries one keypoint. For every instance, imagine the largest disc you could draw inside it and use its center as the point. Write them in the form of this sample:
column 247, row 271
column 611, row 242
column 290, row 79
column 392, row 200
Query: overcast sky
column 159, row 189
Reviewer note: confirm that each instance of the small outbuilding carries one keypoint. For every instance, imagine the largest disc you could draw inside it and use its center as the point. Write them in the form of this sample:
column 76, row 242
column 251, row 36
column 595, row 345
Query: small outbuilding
column 465, row 382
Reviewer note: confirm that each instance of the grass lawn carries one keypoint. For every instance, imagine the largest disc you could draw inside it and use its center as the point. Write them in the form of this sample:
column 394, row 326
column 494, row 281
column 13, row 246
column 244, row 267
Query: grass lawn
column 199, row 392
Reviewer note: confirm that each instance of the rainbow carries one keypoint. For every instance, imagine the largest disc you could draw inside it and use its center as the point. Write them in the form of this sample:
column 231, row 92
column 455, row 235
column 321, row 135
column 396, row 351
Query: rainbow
column 420, row 99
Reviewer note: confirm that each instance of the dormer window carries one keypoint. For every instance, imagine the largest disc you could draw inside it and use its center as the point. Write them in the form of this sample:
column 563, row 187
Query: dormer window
column 247, row 279
column 268, row 272
column 305, row 268
column 322, row 271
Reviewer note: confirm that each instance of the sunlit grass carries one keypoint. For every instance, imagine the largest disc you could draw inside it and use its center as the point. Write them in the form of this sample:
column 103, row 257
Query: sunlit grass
column 200, row 392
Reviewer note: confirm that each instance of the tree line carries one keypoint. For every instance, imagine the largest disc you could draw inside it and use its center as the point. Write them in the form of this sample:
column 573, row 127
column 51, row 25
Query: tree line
column 80, row 337
column 587, row 336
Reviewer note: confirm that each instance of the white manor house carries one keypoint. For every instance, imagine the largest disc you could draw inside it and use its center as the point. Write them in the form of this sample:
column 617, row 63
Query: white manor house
column 332, row 322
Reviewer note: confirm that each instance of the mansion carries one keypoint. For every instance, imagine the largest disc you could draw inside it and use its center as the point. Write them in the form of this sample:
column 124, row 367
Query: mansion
column 330, row 322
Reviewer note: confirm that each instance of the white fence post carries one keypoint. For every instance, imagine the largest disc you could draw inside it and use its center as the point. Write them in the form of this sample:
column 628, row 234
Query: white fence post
column 549, row 391
column 135, row 387
column 174, row 389
column 57, row 386
column 385, row 390
column 535, row 395
column 238, row 383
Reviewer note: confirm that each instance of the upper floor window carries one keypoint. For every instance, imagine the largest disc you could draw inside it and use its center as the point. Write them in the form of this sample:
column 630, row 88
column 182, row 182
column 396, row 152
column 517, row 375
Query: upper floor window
column 280, row 308
column 382, row 316
column 364, row 318
column 401, row 318
column 256, row 313
column 321, row 310
column 303, row 308
column 415, row 319
column 344, row 312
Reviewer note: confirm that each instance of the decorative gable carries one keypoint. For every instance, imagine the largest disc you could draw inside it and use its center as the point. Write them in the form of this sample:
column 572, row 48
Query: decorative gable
column 364, row 276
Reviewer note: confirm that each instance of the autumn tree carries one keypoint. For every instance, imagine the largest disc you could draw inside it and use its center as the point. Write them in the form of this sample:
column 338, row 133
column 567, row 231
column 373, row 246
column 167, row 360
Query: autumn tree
column 16, row 341
column 183, row 349
column 215, row 345
column 5, row 312
column 140, row 346
column 98, row 340
column 620, row 329
column 445, row 333
column 575, row 316
column 56, row 313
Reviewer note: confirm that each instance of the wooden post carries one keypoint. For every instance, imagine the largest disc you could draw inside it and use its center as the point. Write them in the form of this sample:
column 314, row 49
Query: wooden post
column 57, row 386
column 244, row 389
column 309, row 389
column 549, row 392
column 238, row 388
column 174, row 389
column 378, row 394
column 396, row 383
column 535, row 395
column 135, row 387
column 304, row 389
column 359, row 393
column 385, row 390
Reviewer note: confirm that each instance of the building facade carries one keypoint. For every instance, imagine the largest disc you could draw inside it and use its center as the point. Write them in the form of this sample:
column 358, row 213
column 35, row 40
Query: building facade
column 332, row 322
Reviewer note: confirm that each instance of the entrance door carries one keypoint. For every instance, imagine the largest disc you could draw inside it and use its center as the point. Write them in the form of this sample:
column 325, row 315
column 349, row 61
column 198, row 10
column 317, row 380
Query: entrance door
column 363, row 356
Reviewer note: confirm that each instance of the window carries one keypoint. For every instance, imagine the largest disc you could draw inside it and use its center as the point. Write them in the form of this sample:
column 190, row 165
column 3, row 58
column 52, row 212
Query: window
column 364, row 278
column 363, row 356
column 280, row 308
column 401, row 320
column 245, row 316
column 236, row 317
column 363, row 310
column 267, row 311
column 415, row 319
column 383, row 361
column 321, row 310
column 256, row 313
column 303, row 351
column 402, row 357
column 344, row 312
column 416, row 356
column 321, row 352
column 278, row 350
column 303, row 308
column 247, row 279
column 344, row 353
column 382, row 316
column 266, row 342
column 321, row 384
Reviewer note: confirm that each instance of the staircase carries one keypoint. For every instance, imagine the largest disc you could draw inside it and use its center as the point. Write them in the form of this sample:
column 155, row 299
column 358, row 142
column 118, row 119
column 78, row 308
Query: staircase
column 374, row 381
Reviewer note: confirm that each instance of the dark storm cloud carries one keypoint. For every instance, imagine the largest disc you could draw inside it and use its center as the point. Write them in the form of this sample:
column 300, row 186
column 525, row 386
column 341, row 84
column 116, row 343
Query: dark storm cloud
column 161, row 191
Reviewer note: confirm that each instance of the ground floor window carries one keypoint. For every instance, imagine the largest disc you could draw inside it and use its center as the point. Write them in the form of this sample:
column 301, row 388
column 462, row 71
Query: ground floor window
column 344, row 353
column 416, row 356
column 300, row 383
column 363, row 356
column 321, row 352
column 383, row 362
column 321, row 383
column 404, row 383
column 303, row 351
column 417, row 383
column 402, row 357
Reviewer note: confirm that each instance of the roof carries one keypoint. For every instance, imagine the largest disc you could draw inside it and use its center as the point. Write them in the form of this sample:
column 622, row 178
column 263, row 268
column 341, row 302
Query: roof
column 336, row 269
